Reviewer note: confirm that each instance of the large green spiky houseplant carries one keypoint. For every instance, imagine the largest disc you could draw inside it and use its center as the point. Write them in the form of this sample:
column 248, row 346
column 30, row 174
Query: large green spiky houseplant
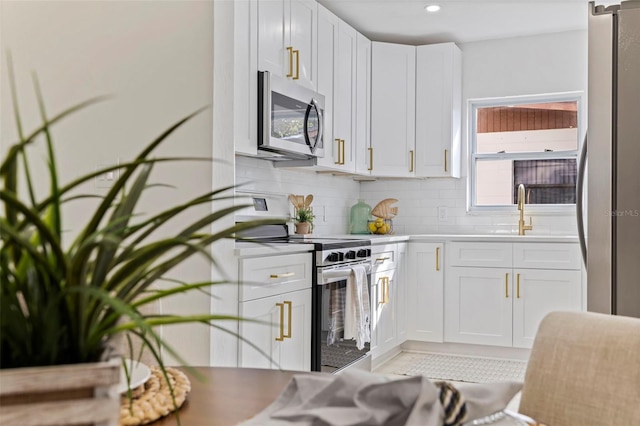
column 64, row 304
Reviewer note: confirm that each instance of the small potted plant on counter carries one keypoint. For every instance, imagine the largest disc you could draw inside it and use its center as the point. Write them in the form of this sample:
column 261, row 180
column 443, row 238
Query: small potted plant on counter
column 303, row 215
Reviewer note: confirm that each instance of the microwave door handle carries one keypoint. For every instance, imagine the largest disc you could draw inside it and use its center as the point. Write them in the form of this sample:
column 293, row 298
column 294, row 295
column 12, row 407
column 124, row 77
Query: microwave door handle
column 320, row 121
column 314, row 105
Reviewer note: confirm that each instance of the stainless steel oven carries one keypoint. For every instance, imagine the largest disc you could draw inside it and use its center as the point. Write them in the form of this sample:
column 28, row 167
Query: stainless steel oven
column 290, row 119
column 332, row 351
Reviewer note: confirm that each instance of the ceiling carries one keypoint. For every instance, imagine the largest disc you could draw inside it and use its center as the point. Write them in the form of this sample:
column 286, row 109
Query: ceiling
column 460, row 21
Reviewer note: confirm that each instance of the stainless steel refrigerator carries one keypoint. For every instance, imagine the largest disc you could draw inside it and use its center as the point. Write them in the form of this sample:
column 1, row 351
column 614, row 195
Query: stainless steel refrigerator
column 613, row 164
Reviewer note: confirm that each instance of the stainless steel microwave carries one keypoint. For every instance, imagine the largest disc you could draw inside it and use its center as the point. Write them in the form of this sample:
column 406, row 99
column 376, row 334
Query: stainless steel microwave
column 290, row 119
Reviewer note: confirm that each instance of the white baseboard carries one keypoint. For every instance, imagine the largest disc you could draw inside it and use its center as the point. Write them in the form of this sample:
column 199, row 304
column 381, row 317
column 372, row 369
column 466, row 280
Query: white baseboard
column 465, row 349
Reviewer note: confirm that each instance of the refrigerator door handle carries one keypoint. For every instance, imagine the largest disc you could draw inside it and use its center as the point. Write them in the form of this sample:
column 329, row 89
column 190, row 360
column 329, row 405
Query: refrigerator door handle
column 580, row 200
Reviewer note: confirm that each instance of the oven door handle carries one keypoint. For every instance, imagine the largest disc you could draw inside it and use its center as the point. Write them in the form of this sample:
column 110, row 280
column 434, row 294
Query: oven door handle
column 339, row 274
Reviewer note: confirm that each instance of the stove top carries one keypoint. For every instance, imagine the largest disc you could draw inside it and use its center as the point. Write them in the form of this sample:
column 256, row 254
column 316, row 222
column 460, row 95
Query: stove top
column 330, row 243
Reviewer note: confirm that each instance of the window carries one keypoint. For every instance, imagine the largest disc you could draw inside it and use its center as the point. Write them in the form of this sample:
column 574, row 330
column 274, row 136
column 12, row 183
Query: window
column 530, row 140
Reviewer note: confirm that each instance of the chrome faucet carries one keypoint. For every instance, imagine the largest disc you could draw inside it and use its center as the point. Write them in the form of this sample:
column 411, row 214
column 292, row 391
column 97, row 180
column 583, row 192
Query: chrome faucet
column 521, row 226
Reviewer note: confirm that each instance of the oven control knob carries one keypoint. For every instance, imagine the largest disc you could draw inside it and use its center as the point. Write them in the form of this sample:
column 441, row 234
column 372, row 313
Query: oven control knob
column 340, row 256
column 362, row 253
column 333, row 257
column 368, row 252
column 351, row 254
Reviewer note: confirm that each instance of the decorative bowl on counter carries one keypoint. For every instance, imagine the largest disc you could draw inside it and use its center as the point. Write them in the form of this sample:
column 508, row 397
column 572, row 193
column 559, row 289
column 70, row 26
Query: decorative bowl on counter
column 380, row 226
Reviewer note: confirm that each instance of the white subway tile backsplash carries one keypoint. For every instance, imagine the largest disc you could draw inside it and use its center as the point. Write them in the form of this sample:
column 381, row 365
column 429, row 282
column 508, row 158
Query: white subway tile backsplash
column 418, row 201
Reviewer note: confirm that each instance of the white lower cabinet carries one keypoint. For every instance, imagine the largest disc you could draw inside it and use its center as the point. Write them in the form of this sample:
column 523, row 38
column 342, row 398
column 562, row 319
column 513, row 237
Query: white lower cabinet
column 539, row 292
column 478, row 306
column 383, row 318
column 279, row 335
column 276, row 299
column 424, row 303
column 503, row 306
column 384, row 299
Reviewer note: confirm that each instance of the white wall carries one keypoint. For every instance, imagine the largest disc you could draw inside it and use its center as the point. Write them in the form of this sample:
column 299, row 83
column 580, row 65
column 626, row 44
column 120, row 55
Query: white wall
column 494, row 68
column 333, row 195
column 156, row 58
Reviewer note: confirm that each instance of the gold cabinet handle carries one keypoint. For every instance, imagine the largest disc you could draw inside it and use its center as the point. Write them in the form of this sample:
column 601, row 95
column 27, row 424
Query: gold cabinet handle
column 385, row 290
column 445, row 161
column 285, row 275
column 437, row 258
column 386, row 295
column 518, row 286
column 411, row 161
column 340, row 151
column 289, row 306
column 381, row 259
column 297, row 54
column 281, row 307
column 370, row 159
column 506, row 285
column 290, row 50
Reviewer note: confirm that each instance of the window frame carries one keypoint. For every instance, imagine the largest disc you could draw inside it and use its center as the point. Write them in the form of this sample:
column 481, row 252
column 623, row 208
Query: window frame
column 474, row 104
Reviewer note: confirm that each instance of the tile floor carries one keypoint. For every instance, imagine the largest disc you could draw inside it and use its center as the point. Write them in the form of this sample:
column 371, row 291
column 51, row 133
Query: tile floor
column 406, row 362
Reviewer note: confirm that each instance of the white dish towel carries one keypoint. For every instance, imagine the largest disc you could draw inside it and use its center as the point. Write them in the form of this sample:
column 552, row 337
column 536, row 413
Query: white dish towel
column 357, row 317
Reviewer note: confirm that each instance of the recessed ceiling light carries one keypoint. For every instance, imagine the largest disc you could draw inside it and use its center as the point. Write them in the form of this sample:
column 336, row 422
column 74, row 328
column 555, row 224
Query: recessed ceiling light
column 432, row 8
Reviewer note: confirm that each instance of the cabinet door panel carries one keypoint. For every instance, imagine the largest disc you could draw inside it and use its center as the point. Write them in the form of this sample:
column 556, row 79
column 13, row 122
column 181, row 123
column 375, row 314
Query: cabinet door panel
column 303, row 33
column 425, row 300
column 393, row 110
column 538, row 292
column 327, row 73
column 345, row 111
column 272, row 37
column 438, row 110
column 384, row 321
column 262, row 333
column 245, row 83
column 295, row 351
column 478, row 306
column 363, row 105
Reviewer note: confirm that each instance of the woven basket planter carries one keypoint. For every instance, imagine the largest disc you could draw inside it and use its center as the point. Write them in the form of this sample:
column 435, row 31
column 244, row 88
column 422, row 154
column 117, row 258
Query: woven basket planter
column 78, row 394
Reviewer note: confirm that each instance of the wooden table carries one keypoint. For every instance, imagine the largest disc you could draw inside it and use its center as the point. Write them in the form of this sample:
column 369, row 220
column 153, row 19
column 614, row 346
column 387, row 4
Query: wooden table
column 228, row 396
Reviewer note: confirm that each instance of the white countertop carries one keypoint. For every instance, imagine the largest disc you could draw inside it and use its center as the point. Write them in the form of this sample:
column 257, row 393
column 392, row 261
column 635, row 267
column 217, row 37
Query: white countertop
column 510, row 238
column 243, row 249
column 537, row 238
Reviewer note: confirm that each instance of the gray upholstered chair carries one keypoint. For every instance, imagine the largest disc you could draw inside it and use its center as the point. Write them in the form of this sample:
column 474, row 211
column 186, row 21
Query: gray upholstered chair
column 584, row 370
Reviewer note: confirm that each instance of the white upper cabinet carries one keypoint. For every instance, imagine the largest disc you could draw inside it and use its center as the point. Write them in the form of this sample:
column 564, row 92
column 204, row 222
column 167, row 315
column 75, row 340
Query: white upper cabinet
column 245, row 78
column 345, row 96
column 393, row 112
column 327, row 71
column 438, row 110
column 364, row 153
column 336, row 81
column 287, row 30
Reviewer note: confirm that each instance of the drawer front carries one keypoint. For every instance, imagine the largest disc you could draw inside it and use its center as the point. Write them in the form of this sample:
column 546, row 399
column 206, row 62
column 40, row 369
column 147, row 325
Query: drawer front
column 547, row 256
column 384, row 257
column 272, row 275
column 490, row 255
